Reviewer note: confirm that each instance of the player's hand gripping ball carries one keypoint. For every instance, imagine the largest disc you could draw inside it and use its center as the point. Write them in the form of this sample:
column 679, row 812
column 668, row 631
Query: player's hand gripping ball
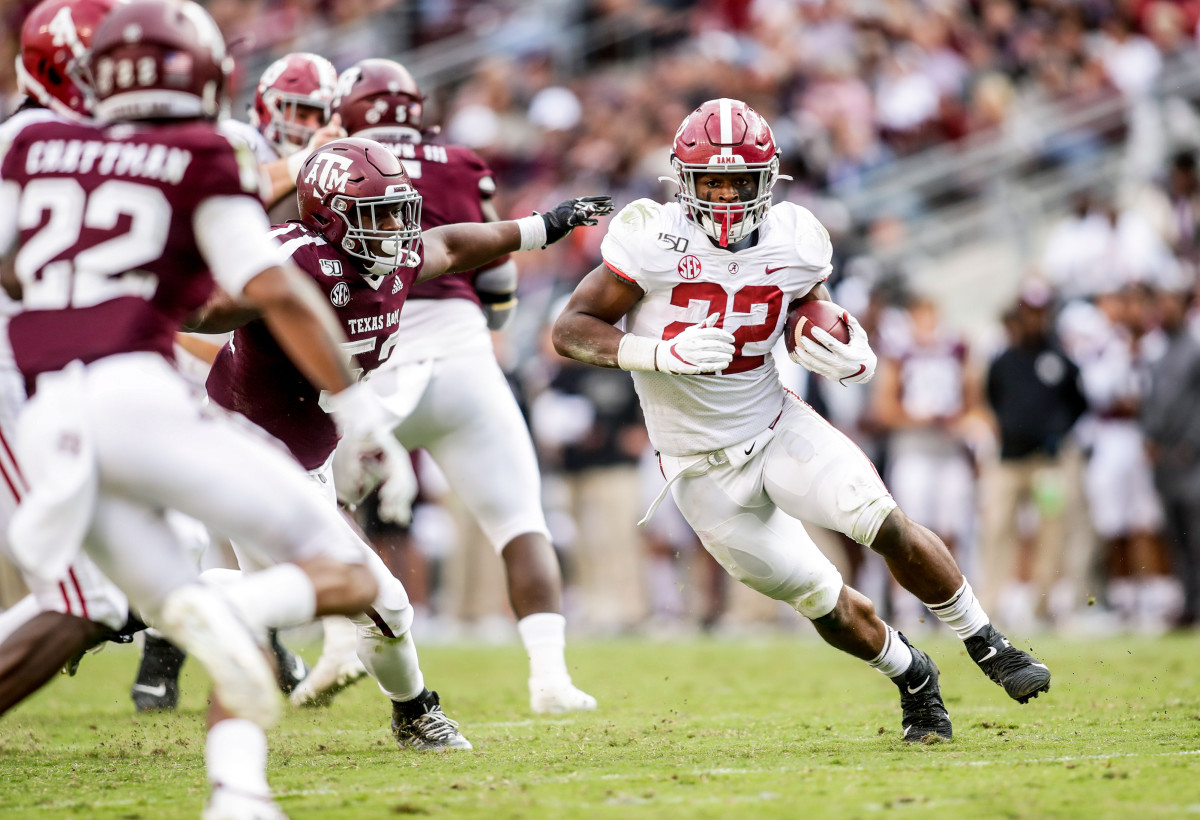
column 827, row 340
column 804, row 316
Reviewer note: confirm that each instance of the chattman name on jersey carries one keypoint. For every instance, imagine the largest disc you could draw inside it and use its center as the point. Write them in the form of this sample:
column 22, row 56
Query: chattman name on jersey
column 128, row 159
column 371, row 324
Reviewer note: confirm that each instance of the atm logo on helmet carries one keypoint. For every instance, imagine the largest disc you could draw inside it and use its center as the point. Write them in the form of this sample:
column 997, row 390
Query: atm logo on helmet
column 329, row 172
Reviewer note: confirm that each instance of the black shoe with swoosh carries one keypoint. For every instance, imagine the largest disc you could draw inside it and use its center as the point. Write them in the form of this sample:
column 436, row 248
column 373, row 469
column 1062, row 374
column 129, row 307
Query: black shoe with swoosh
column 1022, row 675
column 925, row 717
column 157, row 685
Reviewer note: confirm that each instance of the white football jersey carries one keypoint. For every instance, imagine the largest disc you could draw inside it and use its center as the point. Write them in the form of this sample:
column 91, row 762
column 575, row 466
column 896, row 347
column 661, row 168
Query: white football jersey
column 686, row 278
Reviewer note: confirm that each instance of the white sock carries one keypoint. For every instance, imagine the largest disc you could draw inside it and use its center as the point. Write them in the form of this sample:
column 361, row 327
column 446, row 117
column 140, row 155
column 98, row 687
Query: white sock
column 545, row 637
column 275, row 597
column 392, row 662
column 17, row 615
column 895, row 657
column 962, row 612
column 236, row 756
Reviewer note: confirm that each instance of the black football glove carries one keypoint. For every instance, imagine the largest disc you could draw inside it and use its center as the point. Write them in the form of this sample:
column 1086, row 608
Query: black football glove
column 569, row 215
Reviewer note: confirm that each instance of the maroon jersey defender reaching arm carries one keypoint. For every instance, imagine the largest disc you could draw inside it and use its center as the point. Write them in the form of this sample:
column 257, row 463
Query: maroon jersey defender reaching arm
column 445, row 359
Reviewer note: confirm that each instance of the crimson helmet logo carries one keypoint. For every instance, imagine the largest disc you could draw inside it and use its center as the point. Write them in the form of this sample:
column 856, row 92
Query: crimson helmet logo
column 689, row 267
column 340, row 295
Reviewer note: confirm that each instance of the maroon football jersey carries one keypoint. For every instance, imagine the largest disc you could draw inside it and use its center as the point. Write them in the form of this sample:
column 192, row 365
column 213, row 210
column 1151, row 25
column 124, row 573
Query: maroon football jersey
column 452, row 181
column 108, row 258
column 254, row 377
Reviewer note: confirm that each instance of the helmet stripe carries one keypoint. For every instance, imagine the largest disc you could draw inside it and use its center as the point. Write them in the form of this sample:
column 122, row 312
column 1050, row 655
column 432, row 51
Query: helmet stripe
column 726, row 117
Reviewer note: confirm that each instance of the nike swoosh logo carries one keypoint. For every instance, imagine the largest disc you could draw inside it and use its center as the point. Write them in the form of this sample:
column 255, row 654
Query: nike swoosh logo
column 861, row 369
column 1040, row 665
column 154, row 691
column 298, row 669
column 912, row 690
column 750, row 449
column 772, row 270
column 992, row 652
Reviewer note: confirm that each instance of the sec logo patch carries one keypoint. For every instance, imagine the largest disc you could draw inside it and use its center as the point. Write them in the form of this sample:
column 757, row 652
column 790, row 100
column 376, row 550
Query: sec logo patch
column 689, row 267
column 340, row 295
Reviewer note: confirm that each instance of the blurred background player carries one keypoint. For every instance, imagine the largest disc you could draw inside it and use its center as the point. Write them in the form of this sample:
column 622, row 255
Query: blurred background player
column 113, row 436
column 289, row 119
column 49, row 627
column 443, row 382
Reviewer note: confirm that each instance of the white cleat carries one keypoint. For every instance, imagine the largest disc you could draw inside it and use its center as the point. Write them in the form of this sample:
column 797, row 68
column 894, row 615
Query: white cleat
column 229, row 804
column 202, row 623
column 326, row 679
column 554, row 696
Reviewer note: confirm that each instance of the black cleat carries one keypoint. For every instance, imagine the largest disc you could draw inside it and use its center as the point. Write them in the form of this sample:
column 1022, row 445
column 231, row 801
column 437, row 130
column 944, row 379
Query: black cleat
column 157, row 685
column 290, row 668
column 1021, row 675
column 421, row 724
column 925, row 717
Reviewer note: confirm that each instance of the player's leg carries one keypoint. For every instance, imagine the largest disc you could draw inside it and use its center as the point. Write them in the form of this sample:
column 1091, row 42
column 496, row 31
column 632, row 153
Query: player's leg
column 469, row 422
column 385, row 646
column 55, row 624
column 815, row 473
column 38, row 649
column 772, row 553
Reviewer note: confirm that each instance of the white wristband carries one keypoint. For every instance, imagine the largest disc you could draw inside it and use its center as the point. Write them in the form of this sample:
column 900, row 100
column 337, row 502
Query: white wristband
column 295, row 162
column 533, row 232
column 637, row 353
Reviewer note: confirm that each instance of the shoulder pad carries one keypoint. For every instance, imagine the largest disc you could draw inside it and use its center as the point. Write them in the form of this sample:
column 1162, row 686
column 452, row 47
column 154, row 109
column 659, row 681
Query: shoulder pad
column 810, row 240
column 637, row 216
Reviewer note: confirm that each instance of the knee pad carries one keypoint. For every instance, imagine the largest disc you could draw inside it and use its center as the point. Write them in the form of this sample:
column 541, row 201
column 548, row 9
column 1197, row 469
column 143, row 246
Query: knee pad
column 777, row 558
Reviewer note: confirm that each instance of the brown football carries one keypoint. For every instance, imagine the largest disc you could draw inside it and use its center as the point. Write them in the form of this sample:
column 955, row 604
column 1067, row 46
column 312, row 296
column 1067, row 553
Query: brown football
column 803, row 316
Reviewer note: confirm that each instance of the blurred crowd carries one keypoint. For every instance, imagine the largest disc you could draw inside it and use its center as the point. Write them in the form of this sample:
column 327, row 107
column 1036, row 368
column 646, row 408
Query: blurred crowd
column 1054, row 451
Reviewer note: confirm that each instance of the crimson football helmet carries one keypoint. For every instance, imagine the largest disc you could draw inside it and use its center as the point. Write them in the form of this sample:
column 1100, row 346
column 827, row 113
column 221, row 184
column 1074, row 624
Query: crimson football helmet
column 291, row 82
column 354, row 192
column 725, row 136
column 54, row 40
column 158, row 58
column 377, row 93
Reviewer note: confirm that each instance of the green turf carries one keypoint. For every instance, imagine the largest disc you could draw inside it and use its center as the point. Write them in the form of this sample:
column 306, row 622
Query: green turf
column 697, row 729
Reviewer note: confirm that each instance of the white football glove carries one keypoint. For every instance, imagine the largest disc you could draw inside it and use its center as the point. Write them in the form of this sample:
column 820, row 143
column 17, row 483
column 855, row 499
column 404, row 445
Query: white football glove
column 850, row 362
column 699, row 349
column 366, row 426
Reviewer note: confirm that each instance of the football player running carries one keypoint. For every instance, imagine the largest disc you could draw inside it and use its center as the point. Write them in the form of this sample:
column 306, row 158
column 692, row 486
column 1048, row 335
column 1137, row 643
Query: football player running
column 61, row 619
column 444, row 384
column 119, row 231
column 702, row 285
column 289, row 119
column 359, row 239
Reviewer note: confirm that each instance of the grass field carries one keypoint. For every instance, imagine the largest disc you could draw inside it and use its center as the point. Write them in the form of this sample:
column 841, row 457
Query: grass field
column 696, row 729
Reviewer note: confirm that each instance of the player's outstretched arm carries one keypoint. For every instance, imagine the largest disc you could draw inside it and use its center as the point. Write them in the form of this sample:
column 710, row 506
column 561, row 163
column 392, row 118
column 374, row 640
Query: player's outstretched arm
column 471, row 245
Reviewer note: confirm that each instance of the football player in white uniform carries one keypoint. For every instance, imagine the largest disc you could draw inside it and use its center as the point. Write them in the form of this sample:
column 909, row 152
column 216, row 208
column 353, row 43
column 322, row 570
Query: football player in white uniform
column 701, row 287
